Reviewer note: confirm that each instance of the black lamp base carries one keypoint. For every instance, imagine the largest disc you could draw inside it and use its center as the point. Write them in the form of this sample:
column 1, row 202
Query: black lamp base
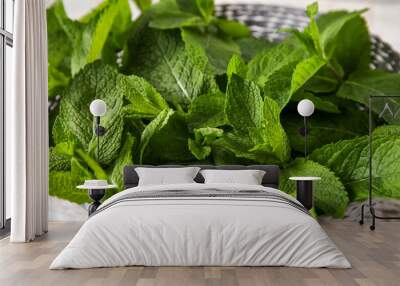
column 96, row 195
column 305, row 193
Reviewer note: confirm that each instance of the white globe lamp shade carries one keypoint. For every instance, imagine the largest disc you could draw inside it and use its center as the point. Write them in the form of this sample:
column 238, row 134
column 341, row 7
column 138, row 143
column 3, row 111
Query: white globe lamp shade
column 98, row 107
column 305, row 107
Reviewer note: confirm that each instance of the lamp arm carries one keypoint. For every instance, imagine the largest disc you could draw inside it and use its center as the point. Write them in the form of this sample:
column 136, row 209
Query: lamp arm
column 99, row 131
column 305, row 137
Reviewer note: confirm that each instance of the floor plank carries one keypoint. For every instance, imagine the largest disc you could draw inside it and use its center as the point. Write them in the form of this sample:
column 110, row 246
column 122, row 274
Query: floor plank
column 375, row 257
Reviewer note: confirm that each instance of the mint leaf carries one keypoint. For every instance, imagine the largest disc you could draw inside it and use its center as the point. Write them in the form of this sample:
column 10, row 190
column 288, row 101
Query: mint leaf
column 233, row 28
column 143, row 5
column 329, row 35
column 57, row 80
column 312, row 10
column 286, row 81
column 257, row 131
column 203, row 139
column 243, row 108
column 330, row 197
column 58, row 161
column 171, row 20
column 170, row 14
column 361, row 85
column 320, row 102
column 152, row 128
column 206, row 8
column 271, row 60
column 218, row 50
column 161, row 58
column 349, row 160
column 89, row 43
column 169, row 141
column 304, row 71
column 350, row 56
column 63, row 186
column 190, row 6
column 75, row 122
column 144, row 99
column 207, row 111
column 250, row 47
column 324, row 128
column 324, row 81
column 198, row 151
column 387, row 130
column 310, row 37
column 59, row 52
column 124, row 159
column 236, row 66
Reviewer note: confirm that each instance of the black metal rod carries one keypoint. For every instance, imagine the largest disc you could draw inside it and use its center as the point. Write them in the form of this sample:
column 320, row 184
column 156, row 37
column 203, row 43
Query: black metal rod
column 370, row 154
column 98, row 136
column 370, row 151
column 305, row 137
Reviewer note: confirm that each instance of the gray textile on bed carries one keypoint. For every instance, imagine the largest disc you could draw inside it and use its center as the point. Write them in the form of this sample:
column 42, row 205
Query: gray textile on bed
column 206, row 193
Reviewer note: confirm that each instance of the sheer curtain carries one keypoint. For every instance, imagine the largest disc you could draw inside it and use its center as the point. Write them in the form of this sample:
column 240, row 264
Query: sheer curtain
column 27, row 124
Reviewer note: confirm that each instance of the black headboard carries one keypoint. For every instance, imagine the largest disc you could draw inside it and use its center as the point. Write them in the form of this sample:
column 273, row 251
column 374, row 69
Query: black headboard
column 271, row 178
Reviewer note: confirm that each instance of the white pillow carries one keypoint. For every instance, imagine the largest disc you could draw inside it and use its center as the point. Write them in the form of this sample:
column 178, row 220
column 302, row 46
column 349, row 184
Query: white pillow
column 248, row 177
column 166, row 176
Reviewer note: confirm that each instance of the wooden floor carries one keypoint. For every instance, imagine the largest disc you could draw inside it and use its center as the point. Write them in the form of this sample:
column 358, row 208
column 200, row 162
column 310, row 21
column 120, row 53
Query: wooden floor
column 375, row 257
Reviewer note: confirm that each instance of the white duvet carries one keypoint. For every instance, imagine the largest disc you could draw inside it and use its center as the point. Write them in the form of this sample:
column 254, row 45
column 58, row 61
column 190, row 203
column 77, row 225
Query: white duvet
column 193, row 231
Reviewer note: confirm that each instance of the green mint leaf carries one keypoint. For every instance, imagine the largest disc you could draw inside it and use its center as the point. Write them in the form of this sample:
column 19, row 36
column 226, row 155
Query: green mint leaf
column 285, row 82
column 218, row 50
column 329, row 35
column 75, row 122
column 190, row 6
column 168, row 14
column 257, row 131
column 152, row 128
column 124, row 159
column 162, row 59
column 251, row 46
column 59, row 51
column 207, row 110
column 58, row 161
column 361, row 85
column 349, row 160
column 352, row 44
column 143, row 5
column 321, row 103
column 312, row 10
column 166, row 140
column 63, row 185
column 203, row 140
column 324, row 128
column 236, row 66
column 89, row 43
column 271, row 60
column 233, row 28
column 330, row 197
column 206, row 8
column 144, row 100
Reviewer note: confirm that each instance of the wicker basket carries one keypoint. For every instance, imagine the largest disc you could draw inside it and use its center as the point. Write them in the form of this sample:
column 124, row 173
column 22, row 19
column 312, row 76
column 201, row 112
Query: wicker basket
column 265, row 20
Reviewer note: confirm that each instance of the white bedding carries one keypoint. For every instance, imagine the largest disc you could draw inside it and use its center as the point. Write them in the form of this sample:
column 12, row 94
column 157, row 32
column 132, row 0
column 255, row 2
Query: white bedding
column 200, row 231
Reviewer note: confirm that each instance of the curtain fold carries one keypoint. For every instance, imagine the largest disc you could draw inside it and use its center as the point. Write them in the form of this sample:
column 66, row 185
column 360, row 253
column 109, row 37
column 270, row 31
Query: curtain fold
column 27, row 124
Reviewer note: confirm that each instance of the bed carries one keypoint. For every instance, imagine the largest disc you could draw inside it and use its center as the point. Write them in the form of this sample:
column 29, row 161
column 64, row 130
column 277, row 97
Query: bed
column 199, row 224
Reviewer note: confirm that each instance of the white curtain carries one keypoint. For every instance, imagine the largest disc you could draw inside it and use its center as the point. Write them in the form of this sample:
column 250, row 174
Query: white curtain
column 27, row 124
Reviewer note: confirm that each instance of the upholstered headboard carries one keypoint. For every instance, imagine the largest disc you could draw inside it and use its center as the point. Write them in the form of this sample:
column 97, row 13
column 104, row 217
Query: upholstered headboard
column 271, row 177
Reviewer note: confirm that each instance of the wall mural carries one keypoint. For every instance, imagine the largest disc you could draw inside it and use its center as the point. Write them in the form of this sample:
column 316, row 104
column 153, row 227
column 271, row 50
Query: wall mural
column 183, row 86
